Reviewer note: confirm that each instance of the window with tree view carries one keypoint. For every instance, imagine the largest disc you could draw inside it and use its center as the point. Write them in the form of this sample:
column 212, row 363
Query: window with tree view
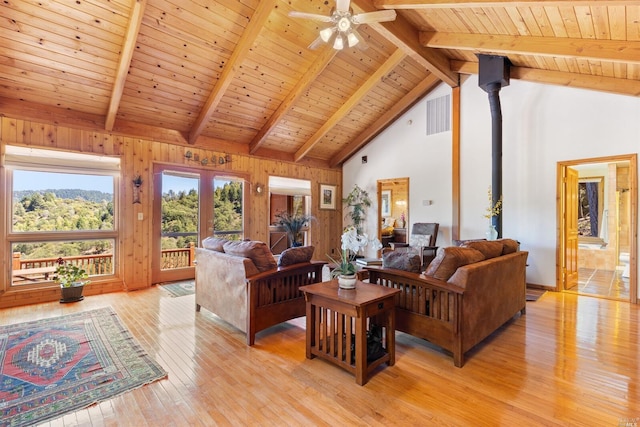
column 228, row 208
column 66, row 211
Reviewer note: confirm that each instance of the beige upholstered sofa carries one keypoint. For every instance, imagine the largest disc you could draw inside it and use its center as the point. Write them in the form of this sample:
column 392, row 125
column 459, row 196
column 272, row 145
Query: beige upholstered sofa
column 465, row 294
column 243, row 284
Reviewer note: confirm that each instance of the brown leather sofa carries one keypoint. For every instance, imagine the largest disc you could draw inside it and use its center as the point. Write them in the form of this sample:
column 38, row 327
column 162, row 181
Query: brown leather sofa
column 465, row 294
column 243, row 284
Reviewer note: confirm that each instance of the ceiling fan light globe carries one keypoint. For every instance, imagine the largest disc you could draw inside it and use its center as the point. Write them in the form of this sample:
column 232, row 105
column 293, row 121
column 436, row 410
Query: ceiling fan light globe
column 344, row 24
column 326, row 34
column 338, row 44
column 352, row 39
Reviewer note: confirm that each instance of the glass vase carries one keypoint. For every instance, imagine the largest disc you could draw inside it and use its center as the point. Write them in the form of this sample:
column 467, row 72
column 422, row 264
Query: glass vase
column 491, row 233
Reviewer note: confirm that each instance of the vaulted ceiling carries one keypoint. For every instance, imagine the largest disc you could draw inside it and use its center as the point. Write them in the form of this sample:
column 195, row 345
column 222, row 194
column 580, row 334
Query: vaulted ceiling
column 238, row 75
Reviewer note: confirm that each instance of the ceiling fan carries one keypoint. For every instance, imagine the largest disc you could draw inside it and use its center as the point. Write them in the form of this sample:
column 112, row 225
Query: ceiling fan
column 342, row 31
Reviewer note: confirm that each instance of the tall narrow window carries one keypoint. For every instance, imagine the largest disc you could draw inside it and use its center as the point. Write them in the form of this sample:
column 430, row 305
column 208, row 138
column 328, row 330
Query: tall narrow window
column 62, row 206
column 228, row 208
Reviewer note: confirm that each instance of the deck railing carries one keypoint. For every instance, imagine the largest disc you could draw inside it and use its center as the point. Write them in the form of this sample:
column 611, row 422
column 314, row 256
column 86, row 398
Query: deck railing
column 29, row 271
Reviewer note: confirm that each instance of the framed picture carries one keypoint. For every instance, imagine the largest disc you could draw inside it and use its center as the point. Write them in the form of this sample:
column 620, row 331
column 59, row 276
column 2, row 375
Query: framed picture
column 327, row 196
column 385, row 203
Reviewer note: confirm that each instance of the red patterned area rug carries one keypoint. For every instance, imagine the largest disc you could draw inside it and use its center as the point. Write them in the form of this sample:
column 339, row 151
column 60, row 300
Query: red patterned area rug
column 54, row 366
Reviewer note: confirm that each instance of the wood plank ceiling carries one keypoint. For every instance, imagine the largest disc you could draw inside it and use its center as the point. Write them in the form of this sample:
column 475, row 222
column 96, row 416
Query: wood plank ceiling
column 239, row 76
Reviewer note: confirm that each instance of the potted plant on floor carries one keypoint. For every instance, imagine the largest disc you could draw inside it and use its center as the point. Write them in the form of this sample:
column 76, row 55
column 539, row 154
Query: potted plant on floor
column 293, row 224
column 71, row 279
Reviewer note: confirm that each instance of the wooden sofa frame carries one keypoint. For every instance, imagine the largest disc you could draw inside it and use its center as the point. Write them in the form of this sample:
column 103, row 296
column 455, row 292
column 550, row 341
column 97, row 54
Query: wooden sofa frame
column 458, row 314
column 255, row 302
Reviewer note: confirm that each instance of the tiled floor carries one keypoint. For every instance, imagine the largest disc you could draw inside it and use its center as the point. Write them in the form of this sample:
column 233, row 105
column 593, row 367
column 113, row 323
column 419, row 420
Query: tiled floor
column 605, row 283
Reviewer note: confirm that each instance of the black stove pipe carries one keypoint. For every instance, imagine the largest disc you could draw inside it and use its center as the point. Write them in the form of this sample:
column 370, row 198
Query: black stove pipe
column 496, row 152
column 493, row 75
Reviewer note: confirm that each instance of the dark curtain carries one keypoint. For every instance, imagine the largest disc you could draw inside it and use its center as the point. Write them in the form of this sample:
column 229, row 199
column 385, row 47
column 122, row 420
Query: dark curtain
column 592, row 199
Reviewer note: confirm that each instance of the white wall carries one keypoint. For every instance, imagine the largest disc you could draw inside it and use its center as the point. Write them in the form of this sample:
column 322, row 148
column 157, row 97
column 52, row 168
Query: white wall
column 542, row 125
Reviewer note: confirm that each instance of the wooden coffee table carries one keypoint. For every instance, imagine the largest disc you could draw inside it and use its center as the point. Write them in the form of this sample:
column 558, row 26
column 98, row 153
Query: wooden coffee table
column 337, row 322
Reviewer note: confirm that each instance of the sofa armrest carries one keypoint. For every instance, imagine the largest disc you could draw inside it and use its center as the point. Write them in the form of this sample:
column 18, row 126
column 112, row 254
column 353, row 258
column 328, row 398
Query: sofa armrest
column 274, row 296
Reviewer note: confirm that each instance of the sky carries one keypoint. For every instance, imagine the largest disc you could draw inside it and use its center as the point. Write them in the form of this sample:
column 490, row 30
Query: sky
column 30, row 180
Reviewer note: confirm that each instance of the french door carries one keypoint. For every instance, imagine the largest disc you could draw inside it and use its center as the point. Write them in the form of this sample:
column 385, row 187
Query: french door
column 189, row 205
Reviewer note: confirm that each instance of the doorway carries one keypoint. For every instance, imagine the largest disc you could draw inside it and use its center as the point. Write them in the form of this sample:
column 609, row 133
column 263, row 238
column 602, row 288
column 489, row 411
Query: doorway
column 393, row 211
column 597, row 217
column 190, row 204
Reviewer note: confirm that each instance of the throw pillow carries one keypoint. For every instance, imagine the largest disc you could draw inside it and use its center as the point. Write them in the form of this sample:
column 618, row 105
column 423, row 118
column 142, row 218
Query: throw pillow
column 389, row 222
column 489, row 248
column 214, row 243
column 417, row 240
column 256, row 251
column 509, row 246
column 401, row 260
column 449, row 259
column 295, row 255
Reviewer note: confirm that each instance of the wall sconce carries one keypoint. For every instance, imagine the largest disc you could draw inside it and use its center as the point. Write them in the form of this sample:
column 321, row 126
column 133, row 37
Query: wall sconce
column 137, row 183
column 259, row 189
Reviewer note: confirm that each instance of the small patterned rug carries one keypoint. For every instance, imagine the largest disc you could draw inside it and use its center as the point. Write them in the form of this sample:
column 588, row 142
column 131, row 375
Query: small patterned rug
column 180, row 289
column 534, row 294
column 54, row 366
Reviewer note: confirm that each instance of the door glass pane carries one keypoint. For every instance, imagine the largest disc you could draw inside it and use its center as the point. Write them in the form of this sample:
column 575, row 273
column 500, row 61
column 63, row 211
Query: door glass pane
column 228, row 208
column 180, row 207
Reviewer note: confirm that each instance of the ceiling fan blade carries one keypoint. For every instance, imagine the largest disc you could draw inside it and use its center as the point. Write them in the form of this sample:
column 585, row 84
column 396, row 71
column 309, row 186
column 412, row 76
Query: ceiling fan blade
column 316, row 43
column 362, row 44
column 342, row 5
column 313, row 16
column 370, row 17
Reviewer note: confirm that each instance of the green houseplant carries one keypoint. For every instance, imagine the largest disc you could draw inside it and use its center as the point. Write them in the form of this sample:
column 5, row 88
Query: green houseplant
column 357, row 202
column 71, row 279
column 293, row 224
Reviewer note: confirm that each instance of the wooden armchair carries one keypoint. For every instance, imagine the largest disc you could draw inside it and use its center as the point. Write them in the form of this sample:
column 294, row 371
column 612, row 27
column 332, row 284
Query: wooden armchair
column 423, row 238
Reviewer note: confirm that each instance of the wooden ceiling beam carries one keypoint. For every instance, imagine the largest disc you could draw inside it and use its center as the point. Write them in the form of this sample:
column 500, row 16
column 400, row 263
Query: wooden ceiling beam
column 562, row 78
column 248, row 37
column 413, row 96
column 344, row 109
column 622, row 51
column 122, row 71
column 434, row 4
column 300, row 88
column 402, row 34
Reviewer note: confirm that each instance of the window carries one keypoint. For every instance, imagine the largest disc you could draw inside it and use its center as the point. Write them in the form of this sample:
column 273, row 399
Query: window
column 228, row 208
column 62, row 206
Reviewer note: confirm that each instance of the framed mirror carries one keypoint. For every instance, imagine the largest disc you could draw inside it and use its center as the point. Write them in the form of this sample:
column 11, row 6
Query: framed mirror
column 393, row 210
column 289, row 213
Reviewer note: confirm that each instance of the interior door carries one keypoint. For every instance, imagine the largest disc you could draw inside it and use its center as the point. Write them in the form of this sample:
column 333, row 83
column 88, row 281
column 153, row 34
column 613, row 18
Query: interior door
column 571, row 229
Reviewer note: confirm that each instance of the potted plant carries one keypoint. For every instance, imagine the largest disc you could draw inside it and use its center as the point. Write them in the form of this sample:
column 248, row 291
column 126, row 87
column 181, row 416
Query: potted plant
column 357, row 201
column 352, row 243
column 71, row 279
column 293, row 224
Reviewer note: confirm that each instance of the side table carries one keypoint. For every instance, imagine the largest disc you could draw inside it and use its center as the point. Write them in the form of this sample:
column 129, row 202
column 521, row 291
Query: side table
column 337, row 324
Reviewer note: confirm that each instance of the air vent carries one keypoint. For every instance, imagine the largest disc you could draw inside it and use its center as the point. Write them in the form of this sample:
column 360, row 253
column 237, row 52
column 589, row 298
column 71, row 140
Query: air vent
column 439, row 115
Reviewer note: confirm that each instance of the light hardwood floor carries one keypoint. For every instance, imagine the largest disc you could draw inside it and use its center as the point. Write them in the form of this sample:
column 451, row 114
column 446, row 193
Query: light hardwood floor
column 571, row 360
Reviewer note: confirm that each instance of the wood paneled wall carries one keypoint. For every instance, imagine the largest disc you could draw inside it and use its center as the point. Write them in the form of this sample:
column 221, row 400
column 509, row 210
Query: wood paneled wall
column 138, row 156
